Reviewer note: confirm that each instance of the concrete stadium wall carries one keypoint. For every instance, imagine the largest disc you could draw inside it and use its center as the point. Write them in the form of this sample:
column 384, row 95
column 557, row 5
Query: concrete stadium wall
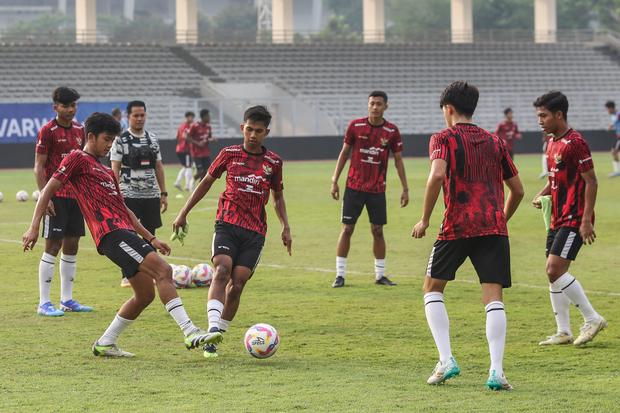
column 315, row 148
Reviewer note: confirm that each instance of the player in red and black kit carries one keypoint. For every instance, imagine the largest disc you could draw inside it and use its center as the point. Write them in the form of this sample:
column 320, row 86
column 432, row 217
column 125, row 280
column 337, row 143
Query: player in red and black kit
column 182, row 150
column 369, row 141
column 63, row 224
column 252, row 172
column 572, row 184
column 113, row 227
column 508, row 131
column 199, row 136
column 472, row 165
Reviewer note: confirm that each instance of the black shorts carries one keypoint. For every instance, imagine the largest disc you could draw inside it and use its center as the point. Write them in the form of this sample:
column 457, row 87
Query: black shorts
column 202, row 164
column 489, row 254
column 125, row 249
column 185, row 159
column 242, row 245
column 68, row 221
column 354, row 201
column 147, row 210
column 565, row 242
column 616, row 146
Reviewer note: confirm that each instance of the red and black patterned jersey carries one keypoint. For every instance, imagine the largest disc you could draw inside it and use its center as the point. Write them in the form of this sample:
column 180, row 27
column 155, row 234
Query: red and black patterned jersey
column 567, row 158
column 473, row 189
column 57, row 142
column 370, row 146
column 508, row 132
column 249, row 178
column 97, row 193
column 200, row 132
column 182, row 142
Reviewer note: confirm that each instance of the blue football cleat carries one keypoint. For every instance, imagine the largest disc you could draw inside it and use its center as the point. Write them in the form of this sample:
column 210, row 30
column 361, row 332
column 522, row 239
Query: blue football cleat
column 49, row 310
column 74, row 307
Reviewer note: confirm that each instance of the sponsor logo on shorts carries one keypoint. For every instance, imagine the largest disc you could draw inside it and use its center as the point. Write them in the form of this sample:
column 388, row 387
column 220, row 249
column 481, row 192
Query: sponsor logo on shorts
column 224, row 247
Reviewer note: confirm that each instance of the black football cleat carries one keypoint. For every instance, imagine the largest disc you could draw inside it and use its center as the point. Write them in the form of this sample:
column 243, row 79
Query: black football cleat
column 385, row 281
column 338, row 282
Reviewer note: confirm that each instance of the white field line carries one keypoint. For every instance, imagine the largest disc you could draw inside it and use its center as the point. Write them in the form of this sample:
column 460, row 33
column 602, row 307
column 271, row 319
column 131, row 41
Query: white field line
column 332, row 270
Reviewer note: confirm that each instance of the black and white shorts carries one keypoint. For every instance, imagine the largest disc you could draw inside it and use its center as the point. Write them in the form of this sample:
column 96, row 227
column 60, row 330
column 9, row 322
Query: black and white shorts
column 147, row 210
column 242, row 245
column 564, row 242
column 203, row 163
column 489, row 254
column 125, row 249
column 354, row 201
column 68, row 221
column 185, row 159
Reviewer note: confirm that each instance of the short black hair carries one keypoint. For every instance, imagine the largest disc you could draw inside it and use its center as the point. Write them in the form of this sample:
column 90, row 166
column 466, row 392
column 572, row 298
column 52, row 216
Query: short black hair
column 378, row 94
column 257, row 114
column 65, row 95
column 99, row 122
column 135, row 104
column 204, row 112
column 507, row 111
column 116, row 111
column 462, row 95
column 190, row 113
column 610, row 104
column 553, row 101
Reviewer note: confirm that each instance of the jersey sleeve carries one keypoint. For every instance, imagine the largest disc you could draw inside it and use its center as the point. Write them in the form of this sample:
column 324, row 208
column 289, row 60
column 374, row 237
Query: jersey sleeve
column 349, row 136
column 580, row 152
column 438, row 147
column 396, row 145
column 116, row 153
column 509, row 170
column 43, row 141
column 69, row 167
column 218, row 166
column 276, row 178
column 156, row 148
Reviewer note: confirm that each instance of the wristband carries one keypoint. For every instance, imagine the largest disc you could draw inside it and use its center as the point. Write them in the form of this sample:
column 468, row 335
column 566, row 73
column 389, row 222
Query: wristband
column 164, row 193
column 151, row 240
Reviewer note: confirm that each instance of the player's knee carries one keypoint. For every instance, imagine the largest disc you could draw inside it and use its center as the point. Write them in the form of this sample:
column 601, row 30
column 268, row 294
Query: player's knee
column 236, row 287
column 53, row 248
column 347, row 230
column 377, row 231
column 145, row 297
column 163, row 272
column 553, row 271
column 222, row 272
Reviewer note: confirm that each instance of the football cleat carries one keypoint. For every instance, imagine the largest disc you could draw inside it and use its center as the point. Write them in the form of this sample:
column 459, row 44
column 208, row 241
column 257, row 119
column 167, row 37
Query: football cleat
column 496, row 382
column 589, row 330
column 338, row 282
column 110, row 350
column 558, row 338
column 49, row 310
column 178, row 186
column 385, row 281
column 443, row 372
column 75, row 307
column 210, row 351
column 200, row 337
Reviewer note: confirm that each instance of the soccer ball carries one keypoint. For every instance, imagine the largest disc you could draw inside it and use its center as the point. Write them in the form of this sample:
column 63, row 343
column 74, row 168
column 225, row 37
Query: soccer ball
column 202, row 274
column 182, row 276
column 1, row 197
column 35, row 195
column 261, row 341
column 21, row 196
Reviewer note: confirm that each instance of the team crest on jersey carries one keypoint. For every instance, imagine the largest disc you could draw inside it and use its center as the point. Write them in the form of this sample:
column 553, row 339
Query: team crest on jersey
column 384, row 142
column 557, row 158
column 363, row 137
column 79, row 141
column 267, row 169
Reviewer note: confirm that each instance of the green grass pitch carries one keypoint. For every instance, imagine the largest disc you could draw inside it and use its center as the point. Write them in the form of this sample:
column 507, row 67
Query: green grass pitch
column 359, row 348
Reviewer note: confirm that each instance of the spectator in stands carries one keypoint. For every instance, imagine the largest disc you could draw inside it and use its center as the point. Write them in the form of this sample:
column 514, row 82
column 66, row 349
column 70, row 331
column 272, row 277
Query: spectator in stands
column 508, row 131
column 183, row 154
column 137, row 164
column 199, row 136
column 118, row 115
column 614, row 126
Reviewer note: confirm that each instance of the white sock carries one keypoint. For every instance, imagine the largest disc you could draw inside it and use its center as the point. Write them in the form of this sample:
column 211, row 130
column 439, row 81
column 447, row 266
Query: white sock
column 379, row 268
column 224, row 324
column 177, row 311
column 616, row 166
column 545, row 168
column 179, row 176
column 46, row 273
column 341, row 266
column 67, row 276
column 496, row 335
column 214, row 313
column 561, row 309
column 437, row 317
column 574, row 291
column 116, row 327
column 188, row 178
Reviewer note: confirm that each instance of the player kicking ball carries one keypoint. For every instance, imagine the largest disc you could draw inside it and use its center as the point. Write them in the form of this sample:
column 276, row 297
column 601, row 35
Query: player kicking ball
column 472, row 165
column 252, row 172
column 113, row 227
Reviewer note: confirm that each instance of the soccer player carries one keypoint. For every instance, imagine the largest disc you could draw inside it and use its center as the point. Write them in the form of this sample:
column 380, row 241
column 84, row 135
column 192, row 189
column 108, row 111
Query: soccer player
column 199, row 136
column 614, row 125
column 508, row 131
column 370, row 141
column 252, row 172
column 572, row 184
column 113, row 227
column 183, row 154
column 63, row 224
column 472, row 165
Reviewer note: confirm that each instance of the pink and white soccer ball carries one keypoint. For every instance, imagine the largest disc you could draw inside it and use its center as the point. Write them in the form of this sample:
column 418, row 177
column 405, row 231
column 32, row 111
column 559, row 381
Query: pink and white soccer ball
column 181, row 276
column 261, row 341
column 202, row 274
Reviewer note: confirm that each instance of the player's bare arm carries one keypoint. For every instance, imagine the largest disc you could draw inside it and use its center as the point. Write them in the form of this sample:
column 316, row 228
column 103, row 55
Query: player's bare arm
column 280, row 207
column 586, row 229
column 342, row 160
column 545, row 191
column 161, row 181
column 433, row 187
column 515, row 195
column 201, row 190
column 400, row 168
column 30, row 237
column 39, row 174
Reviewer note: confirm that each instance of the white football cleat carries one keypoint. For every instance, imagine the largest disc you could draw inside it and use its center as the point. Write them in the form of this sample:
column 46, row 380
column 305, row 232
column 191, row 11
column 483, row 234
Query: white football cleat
column 589, row 330
column 443, row 372
column 557, row 338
